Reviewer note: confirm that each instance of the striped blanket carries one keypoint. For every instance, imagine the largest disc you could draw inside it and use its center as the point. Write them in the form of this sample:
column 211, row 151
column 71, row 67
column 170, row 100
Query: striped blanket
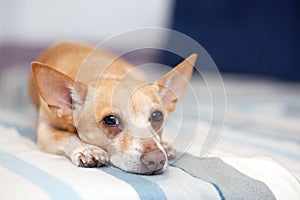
column 28, row 172
column 256, row 157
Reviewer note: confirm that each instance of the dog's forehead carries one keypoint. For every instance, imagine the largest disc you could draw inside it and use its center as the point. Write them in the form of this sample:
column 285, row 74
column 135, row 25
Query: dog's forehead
column 115, row 93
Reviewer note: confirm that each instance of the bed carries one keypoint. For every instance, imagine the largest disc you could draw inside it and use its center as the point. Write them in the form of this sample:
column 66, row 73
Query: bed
column 256, row 156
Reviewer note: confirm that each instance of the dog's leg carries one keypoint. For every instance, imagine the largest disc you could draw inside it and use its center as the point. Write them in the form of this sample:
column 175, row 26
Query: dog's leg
column 67, row 143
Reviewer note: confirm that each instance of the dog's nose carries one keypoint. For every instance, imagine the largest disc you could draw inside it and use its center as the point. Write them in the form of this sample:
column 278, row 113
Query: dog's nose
column 153, row 161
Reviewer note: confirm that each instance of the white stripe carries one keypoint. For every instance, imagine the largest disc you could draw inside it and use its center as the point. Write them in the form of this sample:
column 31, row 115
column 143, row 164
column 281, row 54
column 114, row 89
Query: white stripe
column 13, row 186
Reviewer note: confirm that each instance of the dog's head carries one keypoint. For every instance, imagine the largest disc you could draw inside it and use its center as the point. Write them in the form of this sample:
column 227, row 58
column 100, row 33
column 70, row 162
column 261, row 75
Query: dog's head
column 121, row 115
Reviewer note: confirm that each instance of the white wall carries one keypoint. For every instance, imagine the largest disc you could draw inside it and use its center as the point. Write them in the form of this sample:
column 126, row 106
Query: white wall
column 40, row 21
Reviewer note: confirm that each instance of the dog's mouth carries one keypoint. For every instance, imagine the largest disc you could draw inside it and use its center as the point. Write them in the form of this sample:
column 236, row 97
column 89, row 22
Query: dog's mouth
column 156, row 172
column 146, row 173
column 142, row 170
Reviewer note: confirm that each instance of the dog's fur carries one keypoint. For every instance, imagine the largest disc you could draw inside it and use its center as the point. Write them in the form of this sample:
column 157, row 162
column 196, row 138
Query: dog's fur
column 76, row 99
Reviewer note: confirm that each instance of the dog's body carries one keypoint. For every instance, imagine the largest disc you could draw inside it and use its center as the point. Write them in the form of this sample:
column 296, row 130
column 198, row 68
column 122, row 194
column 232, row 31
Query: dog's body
column 100, row 111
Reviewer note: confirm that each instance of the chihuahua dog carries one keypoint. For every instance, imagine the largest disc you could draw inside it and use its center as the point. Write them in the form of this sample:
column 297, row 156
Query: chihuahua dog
column 96, row 112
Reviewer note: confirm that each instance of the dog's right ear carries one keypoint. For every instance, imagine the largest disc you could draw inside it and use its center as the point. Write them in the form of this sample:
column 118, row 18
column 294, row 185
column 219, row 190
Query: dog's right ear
column 172, row 85
column 59, row 91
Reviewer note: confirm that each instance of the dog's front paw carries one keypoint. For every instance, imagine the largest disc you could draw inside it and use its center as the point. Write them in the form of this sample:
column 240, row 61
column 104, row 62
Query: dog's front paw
column 89, row 156
column 170, row 151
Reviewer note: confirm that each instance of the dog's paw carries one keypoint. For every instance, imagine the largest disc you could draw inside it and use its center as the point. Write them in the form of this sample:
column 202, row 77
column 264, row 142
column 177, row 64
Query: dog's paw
column 89, row 156
column 170, row 151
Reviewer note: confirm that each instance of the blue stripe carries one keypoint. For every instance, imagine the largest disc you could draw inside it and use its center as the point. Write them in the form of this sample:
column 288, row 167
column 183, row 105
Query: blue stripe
column 55, row 188
column 146, row 189
column 219, row 191
column 213, row 184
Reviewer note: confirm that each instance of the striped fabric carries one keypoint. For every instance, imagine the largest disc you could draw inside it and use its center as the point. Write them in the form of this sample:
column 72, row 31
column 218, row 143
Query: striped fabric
column 26, row 171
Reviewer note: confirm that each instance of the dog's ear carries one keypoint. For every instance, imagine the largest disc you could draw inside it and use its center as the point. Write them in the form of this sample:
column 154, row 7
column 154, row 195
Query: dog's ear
column 59, row 91
column 172, row 85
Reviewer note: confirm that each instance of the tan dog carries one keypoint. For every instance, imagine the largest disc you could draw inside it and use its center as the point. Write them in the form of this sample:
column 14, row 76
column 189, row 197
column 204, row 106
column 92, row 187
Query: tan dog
column 109, row 117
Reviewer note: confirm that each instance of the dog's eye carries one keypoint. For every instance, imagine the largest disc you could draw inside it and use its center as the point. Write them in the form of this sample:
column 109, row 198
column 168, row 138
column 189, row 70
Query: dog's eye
column 157, row 120
column 157, row 116
column 111, row 120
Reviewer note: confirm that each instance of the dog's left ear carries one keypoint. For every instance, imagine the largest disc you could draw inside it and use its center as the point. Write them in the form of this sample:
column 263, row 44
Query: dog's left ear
column 60, row 92
column 172, row 85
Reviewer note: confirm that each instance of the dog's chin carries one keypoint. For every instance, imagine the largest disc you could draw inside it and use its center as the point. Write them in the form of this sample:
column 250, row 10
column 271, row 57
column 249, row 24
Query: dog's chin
column 143, row 171
column 157, row 172
column 147, row 173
